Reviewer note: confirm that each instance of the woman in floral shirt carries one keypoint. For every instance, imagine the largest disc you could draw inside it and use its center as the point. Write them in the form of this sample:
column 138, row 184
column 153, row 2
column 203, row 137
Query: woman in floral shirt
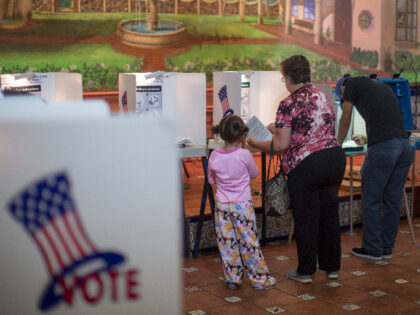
column 304, row 132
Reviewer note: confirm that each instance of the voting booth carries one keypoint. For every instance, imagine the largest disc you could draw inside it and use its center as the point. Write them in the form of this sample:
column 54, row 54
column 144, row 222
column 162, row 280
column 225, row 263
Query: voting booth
column 401, row 89
column 328, row 90
column 247, row 94
column 168, row 93
column 82, row 214
column 52, row 87
column 31, row 106
column 357, row 124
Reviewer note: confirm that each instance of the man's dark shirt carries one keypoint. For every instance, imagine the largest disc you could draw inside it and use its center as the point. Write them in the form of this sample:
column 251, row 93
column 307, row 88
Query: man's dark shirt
column 378, row 106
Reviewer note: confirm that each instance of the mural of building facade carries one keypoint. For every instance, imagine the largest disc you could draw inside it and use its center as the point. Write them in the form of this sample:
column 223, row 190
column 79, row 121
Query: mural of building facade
column 375, row 34
column 389, row 28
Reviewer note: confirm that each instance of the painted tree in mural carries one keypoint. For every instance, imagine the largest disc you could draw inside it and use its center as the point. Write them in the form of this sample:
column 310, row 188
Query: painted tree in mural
column 242, row 10
column 11, row 8
column 16, row 8
column 267, row 13
column 152, row 16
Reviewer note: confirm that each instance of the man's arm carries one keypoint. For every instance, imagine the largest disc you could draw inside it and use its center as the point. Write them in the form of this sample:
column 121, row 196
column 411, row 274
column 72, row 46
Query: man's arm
column 345, row 120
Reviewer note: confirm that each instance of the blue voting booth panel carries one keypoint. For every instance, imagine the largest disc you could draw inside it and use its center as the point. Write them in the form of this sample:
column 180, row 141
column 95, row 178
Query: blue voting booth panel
column 401, row 88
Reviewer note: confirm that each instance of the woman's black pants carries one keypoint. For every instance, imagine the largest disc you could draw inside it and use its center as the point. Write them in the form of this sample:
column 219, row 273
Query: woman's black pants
column 313, row 187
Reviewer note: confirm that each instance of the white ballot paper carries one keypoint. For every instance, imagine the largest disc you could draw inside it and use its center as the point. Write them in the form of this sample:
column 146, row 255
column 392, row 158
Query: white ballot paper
column 258, row 130
column 350, row 144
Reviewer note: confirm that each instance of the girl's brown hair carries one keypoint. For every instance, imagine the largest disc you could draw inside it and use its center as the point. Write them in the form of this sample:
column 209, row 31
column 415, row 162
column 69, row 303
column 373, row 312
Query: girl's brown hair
column 230, row 128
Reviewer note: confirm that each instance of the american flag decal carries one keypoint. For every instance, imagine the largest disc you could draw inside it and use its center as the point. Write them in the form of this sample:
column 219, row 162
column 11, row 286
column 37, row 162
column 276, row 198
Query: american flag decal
column 124, row 102
column 48, row 214
column 224, row 101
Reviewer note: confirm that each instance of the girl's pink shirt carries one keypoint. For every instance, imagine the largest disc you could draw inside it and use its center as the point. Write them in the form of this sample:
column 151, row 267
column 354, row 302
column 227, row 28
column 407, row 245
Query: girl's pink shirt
column 231, row 171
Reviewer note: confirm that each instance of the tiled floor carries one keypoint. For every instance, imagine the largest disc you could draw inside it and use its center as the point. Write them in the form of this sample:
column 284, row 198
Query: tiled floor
column 364, row 287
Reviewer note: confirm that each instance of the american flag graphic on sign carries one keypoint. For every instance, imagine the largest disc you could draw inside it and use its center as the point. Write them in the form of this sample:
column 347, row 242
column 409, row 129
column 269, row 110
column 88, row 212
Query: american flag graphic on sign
column 48, row 214
column 225, row 101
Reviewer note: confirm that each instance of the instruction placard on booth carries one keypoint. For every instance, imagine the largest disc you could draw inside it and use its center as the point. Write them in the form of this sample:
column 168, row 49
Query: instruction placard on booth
column 168, row 93
column 149, row 99
column 52, row 87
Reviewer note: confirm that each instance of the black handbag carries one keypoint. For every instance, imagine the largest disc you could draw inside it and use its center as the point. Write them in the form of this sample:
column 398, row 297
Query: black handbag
column 276, row 195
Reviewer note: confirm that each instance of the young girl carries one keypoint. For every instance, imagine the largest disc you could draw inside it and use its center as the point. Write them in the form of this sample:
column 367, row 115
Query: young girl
column 231, row 168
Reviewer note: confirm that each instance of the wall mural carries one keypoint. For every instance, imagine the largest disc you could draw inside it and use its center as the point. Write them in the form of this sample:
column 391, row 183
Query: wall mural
column 66, row 5
column 101, row 38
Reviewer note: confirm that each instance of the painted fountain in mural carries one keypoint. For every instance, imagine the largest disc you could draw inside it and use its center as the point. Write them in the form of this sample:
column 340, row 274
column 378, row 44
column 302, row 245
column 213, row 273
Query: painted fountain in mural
column 151, row 32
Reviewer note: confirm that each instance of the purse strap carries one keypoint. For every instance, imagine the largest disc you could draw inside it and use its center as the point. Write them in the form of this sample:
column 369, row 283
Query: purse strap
column 272, row 158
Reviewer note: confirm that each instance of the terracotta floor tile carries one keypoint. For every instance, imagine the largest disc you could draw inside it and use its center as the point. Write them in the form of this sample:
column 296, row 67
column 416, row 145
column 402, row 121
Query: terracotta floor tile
column 360, row 311
column 409, row 263
column 212, row 266
column 191, row 262
column 403, row 243
column 200, row 277
column 237, row 308
column 267, row 298
column 350, row 242
column 389, row 304
column 343, row 295
column 367, row 283
column 355, row 263
column 321, row 276
column 219, row 289
column 262, row 298
column 312, row 307
column 295, row 288
column 389, row 272
column 201, row 300
column 409, row 292
column 415, row 278
column 414, row 312
column 281, row 250
column 280, row 266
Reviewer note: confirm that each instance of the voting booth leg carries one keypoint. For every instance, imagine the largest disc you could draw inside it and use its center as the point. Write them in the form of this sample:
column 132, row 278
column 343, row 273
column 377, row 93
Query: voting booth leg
column 263, row 181
column 207, row 191
column 200, row 222
column 184, row 225
column 413, row 184
column 408, row 214
column 185, row 170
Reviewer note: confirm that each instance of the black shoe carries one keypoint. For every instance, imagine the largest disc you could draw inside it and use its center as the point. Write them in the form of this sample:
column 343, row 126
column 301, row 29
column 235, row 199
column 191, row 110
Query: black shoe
column 361, row 252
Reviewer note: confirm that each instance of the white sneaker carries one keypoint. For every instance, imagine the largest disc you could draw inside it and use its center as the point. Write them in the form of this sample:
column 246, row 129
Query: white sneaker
column 272, row 282
column 333, row 275
column 298, row 277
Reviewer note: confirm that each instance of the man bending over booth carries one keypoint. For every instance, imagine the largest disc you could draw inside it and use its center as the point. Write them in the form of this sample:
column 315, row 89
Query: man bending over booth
column 387, row 162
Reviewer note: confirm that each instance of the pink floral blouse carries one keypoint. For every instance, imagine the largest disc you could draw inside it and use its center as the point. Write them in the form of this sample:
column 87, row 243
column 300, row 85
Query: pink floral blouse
column 309, row 114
